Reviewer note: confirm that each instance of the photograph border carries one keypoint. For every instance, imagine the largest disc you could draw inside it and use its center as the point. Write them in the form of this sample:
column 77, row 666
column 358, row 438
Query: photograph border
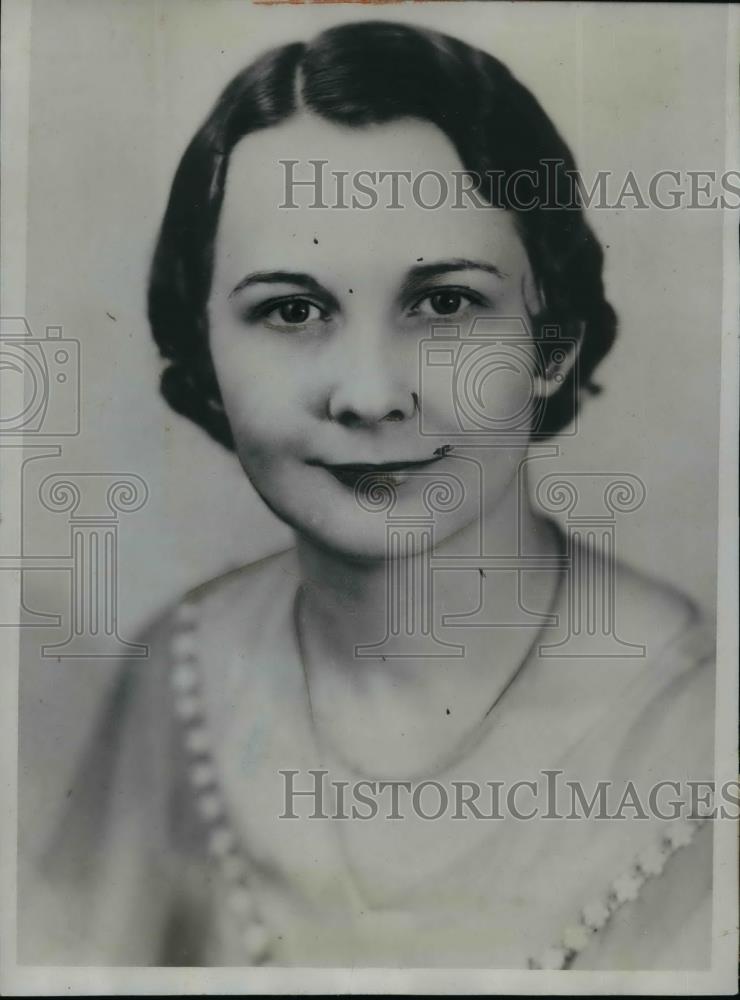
column 27, row 980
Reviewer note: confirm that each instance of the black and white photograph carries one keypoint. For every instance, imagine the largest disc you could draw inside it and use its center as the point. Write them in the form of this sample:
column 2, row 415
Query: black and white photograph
column 369, row 498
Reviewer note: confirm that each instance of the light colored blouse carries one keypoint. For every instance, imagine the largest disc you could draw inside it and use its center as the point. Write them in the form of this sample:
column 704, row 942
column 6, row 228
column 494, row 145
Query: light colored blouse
column 172, row 851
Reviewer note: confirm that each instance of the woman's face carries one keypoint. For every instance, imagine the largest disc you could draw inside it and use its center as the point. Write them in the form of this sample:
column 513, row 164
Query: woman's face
column 339, row 392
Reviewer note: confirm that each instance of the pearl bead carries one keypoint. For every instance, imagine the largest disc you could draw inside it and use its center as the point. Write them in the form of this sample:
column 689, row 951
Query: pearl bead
column 196, row 739
column 221, row 841
column 652, row 861
column 202, row 774
column 183, row 678
column 626, row 888
column 209, row 805
column 576, row 937
column 595, row 914
column 183, row 646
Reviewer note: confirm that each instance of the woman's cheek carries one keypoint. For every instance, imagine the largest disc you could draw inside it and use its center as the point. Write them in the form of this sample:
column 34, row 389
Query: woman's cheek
column 266, row 419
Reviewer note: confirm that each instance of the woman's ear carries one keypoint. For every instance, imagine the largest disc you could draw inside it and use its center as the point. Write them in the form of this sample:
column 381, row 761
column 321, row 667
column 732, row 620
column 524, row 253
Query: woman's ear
column 559, row 343
column 560, row 356
column 534, row 299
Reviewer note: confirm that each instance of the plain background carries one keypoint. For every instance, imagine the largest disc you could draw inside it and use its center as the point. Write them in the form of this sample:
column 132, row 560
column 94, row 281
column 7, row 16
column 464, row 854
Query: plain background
column 118, row 88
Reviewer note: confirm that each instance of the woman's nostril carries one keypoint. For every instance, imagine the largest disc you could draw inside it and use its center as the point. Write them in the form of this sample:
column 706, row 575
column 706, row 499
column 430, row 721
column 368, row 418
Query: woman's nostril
column 348, row 418
column 358, row 415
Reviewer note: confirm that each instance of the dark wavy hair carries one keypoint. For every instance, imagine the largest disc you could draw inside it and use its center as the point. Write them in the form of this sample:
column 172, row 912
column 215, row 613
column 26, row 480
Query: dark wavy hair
column 357, row 74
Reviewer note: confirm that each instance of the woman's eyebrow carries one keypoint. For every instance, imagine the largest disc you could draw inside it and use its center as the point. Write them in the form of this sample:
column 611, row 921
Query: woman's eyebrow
column 417, row 275
column 282, row 278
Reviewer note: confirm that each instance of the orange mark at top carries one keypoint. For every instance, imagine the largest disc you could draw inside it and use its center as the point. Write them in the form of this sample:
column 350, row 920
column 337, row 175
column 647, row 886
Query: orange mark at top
column 275, row 3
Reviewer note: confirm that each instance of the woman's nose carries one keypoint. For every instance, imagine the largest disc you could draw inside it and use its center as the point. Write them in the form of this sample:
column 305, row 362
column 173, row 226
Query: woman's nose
column 367, row 406
column 370, row 393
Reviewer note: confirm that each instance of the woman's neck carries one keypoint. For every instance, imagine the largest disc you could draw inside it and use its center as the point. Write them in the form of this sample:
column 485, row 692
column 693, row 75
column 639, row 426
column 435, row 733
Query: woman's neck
column 382, row 682
column 350, row 602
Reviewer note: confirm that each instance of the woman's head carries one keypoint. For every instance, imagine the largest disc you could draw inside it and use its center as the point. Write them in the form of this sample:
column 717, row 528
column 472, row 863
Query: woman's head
column 301, row 334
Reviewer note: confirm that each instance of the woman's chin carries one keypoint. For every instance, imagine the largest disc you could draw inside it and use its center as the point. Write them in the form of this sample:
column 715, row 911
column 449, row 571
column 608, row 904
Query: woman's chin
column 371, row 537
column 386, row 521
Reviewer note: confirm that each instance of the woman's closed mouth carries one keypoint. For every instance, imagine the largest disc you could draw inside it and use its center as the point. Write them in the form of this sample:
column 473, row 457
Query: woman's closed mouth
column 368, row 474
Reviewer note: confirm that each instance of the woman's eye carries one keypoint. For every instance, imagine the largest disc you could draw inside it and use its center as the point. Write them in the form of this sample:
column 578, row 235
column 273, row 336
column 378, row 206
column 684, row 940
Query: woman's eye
column 446, row 302
column 293, row 312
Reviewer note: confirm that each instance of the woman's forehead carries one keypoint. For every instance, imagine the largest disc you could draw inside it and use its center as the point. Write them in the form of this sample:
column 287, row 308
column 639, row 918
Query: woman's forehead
column 393, row 188
column 402, row 144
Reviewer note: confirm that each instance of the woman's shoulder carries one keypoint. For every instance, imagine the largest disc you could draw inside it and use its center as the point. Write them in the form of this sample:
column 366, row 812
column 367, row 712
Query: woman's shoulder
column 635, row 678
column 675, row 676
column 134, row 736
column 654, row 611
column 123, row 814
column 642, row 725
column 624, row 624
column 248, row 579
column 247, row 590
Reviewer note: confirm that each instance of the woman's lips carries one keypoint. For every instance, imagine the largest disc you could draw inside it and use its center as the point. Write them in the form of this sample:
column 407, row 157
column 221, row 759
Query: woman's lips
column 370, row 474
column 367, row 477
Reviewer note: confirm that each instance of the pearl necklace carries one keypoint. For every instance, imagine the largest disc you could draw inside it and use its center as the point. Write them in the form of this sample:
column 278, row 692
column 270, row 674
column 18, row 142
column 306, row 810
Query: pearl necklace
column 223, row 843
column 626, row 888
column 226, row 851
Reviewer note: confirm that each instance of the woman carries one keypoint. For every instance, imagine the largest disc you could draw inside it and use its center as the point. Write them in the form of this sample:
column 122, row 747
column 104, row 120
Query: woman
column 380, row 649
